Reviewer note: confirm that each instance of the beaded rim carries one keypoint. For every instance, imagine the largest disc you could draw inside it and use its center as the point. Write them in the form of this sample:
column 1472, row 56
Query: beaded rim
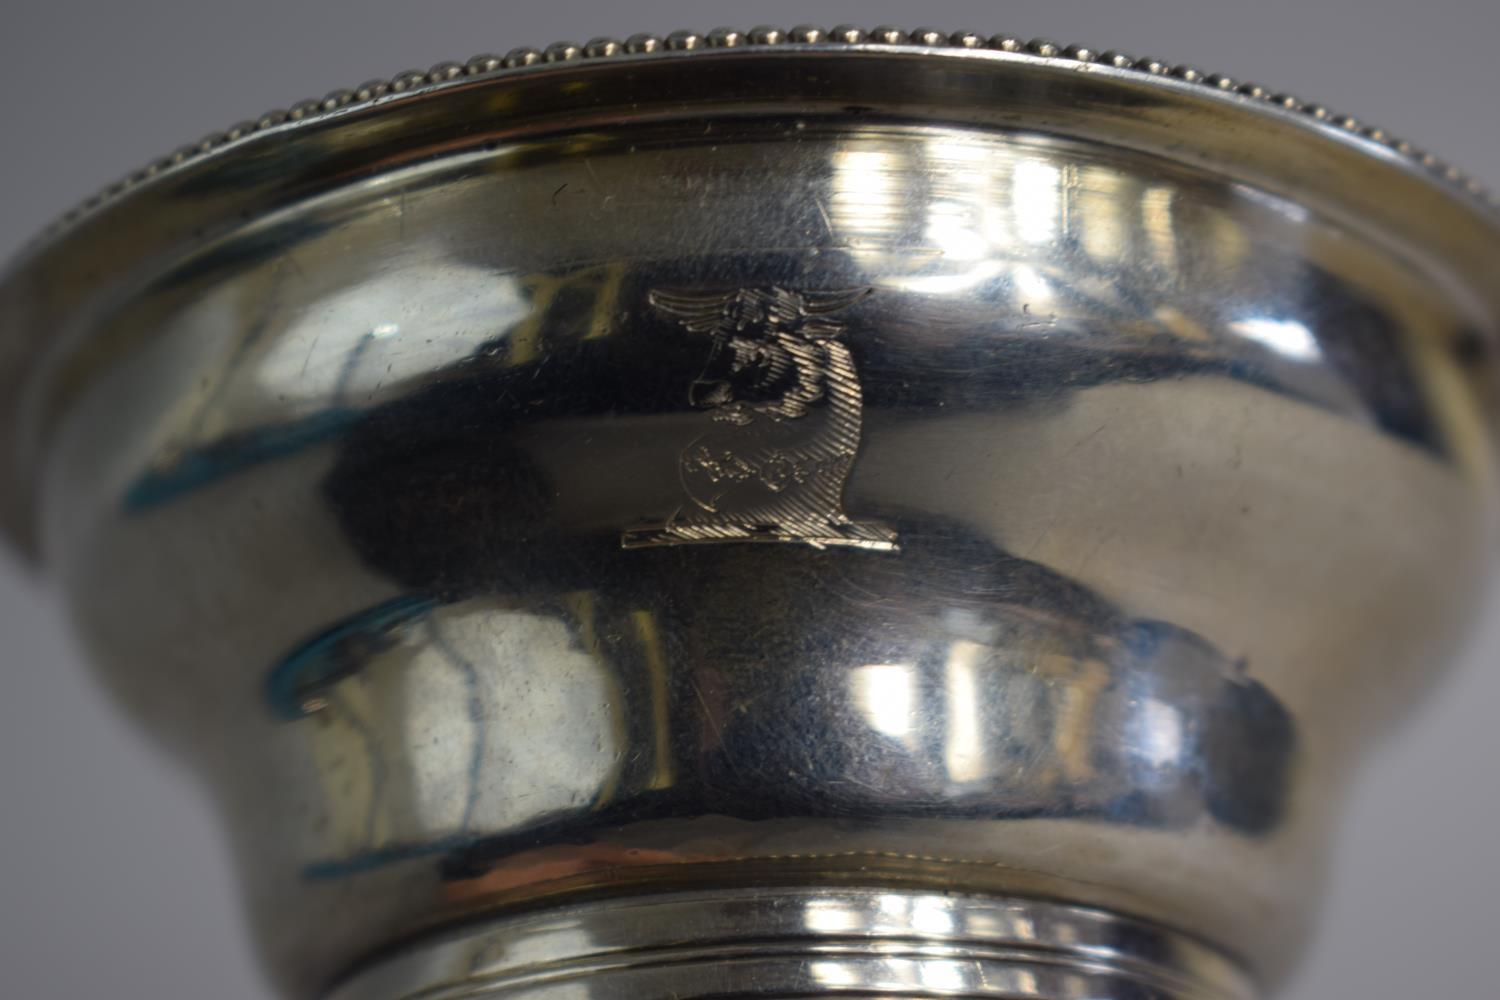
column 488, row 65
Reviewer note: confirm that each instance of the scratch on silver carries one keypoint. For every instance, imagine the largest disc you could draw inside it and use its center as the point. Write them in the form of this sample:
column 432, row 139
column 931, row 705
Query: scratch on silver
column 787, row 409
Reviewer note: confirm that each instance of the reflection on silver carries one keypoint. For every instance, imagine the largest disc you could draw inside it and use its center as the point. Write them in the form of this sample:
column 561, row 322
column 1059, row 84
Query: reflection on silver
column 807, row 943
column 1124, row 470
column 964, row 752
column 1037, row 199
column 884, row 692
column 1287, row 337
column 1161, row 736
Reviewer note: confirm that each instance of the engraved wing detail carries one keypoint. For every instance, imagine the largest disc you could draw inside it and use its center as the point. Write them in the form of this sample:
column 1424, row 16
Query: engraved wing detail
column 805, row 313
column 823, row 303
column 697, row 312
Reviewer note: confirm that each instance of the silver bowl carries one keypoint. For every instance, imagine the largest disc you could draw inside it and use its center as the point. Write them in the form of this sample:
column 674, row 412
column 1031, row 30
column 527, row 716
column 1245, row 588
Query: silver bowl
column 770, row 514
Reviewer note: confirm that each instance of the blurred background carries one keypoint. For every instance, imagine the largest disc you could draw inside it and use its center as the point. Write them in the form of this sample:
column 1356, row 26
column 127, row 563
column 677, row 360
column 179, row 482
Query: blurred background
column 115, row 879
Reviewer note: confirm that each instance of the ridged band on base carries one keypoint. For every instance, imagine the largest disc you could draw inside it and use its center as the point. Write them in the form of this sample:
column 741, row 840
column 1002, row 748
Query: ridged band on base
column 805, row 942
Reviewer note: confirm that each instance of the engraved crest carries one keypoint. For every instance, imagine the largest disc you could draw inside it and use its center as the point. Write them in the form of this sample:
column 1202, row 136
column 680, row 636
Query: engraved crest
column 786, row 406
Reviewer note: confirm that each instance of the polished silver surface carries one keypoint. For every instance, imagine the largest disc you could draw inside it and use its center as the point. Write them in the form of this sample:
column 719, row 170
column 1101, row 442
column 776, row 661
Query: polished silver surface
column 819, row 472
column 777, row 942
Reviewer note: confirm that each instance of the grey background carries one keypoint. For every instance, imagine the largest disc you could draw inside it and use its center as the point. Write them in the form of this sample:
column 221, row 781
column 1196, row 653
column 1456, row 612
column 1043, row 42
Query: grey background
column 114, row 880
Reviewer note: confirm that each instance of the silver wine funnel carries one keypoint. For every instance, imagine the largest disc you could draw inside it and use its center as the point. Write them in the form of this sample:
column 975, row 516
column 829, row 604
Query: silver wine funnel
column 769, row 514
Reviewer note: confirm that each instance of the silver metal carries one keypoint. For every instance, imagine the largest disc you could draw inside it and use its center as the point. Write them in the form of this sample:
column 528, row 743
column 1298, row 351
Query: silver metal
column 574, row 505
column 806, row 942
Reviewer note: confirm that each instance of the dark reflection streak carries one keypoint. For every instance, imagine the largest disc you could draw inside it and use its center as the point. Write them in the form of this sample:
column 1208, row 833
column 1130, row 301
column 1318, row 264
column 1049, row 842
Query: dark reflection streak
column 337, row 869
column 371, row 741
column 298, row 679
column 351, row 363
column 476, row 716
column 1237, row 741
column 1010, row 365
column 437, row 493
column 231, row 455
